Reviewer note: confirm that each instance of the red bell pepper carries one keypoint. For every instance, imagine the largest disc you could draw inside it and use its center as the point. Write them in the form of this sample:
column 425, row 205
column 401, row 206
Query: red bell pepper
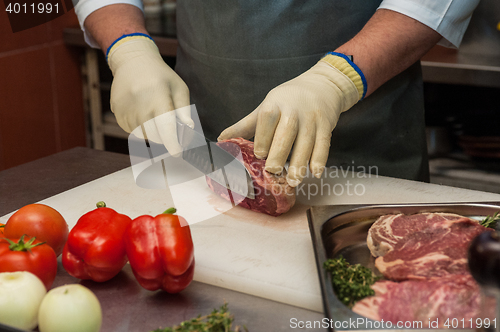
column 95, row 249
column 160, row 252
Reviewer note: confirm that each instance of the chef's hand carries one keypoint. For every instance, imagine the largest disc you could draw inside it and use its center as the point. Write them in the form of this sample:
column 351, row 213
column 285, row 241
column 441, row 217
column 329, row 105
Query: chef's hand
column 145, row 88
column 301, row 112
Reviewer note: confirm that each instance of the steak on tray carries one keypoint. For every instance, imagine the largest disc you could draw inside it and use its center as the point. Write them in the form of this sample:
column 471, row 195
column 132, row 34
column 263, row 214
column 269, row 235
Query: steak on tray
column 273, row 195
column 439, row 300
column 427, row 254
column 421, row 246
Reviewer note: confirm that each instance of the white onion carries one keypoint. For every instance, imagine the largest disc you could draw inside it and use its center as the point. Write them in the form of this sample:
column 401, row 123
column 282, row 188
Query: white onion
column 20, row 296
column 70, row 308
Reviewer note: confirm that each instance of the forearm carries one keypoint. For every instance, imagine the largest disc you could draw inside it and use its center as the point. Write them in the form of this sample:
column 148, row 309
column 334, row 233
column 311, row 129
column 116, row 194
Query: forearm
column 111, row 22
column 388, row 44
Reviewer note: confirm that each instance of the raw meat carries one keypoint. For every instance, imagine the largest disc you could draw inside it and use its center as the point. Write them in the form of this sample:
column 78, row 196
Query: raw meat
column 273, row 195
column 427, row 301
column 427, row 253
column 422, row 246
column 389, row 229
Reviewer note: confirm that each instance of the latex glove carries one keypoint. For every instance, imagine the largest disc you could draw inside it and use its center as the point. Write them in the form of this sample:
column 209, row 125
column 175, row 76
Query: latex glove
column 145, row 88
column 302, row 112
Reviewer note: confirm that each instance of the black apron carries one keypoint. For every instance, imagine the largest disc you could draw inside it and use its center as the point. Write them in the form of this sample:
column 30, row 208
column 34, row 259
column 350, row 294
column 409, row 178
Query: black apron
column 233, row 52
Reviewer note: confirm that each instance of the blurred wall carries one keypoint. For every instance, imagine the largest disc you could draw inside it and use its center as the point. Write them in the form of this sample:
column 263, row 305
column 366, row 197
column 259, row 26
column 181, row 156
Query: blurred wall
column 41, row 106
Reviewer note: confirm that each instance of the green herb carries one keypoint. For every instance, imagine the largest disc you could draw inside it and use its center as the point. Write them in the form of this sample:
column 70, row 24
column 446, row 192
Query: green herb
column 351, row 283
column 218, row 321
column 491, row 222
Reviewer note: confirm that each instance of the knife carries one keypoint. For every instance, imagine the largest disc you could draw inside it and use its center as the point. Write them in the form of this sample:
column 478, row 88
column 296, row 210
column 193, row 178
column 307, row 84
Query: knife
column 215, row 162
column 8, row 328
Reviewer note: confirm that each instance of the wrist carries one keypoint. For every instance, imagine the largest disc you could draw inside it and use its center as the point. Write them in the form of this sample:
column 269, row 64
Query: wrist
column 125, row 38
column 113, row 20
column 140, row 49
column 345, row 65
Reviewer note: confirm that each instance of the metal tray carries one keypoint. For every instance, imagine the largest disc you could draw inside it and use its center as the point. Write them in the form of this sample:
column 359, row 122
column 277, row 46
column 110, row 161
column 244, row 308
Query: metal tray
column 342, row 230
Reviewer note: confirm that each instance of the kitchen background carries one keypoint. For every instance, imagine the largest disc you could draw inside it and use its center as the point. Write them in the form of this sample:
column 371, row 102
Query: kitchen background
column 54, row 95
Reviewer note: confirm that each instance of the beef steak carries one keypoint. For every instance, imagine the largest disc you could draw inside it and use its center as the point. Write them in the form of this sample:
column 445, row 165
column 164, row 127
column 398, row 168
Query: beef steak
column 421, row 246
column 426, row 301
column 390, row 229
column 427, row 253
column 273, row 195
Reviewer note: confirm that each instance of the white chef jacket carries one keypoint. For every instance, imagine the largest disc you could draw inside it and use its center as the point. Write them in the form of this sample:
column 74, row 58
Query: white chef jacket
column 449, row 18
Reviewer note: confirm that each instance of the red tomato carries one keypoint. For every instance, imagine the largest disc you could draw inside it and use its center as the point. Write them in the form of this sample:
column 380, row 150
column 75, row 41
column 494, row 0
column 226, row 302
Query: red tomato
column 28, row 255
column 40, row 221
column 1, row 229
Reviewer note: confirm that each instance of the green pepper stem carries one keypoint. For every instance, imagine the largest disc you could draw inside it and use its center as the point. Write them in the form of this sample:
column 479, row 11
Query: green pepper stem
column 171, row 210
column 100, row 204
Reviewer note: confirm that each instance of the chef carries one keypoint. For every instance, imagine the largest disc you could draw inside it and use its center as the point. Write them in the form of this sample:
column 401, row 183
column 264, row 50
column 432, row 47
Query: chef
column 336, row 83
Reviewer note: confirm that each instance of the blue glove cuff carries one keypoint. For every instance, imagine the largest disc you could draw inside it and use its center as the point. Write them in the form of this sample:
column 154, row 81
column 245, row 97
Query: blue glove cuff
column 356, row 69
column 135, row 34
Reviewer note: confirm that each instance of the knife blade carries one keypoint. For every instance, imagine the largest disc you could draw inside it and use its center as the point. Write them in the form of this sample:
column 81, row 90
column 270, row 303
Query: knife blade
column 8, row 328
column 215, row 162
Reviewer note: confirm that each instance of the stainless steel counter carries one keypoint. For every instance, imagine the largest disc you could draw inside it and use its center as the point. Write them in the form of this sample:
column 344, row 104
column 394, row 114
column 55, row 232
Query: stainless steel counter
column 451, row 66
column 477, row 61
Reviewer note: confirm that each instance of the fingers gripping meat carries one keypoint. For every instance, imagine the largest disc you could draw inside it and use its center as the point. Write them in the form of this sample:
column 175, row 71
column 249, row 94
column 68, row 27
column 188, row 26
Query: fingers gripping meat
column 273, row 195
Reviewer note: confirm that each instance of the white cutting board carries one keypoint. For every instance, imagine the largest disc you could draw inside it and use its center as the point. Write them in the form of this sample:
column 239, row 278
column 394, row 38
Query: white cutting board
column 270, row 257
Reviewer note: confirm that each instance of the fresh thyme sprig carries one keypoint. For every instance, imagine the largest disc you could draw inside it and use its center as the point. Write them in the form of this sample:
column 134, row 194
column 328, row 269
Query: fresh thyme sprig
column 490, row 221
column 351, row 283
column 218, row 321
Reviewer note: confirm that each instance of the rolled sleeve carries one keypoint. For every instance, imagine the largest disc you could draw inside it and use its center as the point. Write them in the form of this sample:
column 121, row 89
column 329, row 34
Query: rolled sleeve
column 84, row 8
column 449, row 18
